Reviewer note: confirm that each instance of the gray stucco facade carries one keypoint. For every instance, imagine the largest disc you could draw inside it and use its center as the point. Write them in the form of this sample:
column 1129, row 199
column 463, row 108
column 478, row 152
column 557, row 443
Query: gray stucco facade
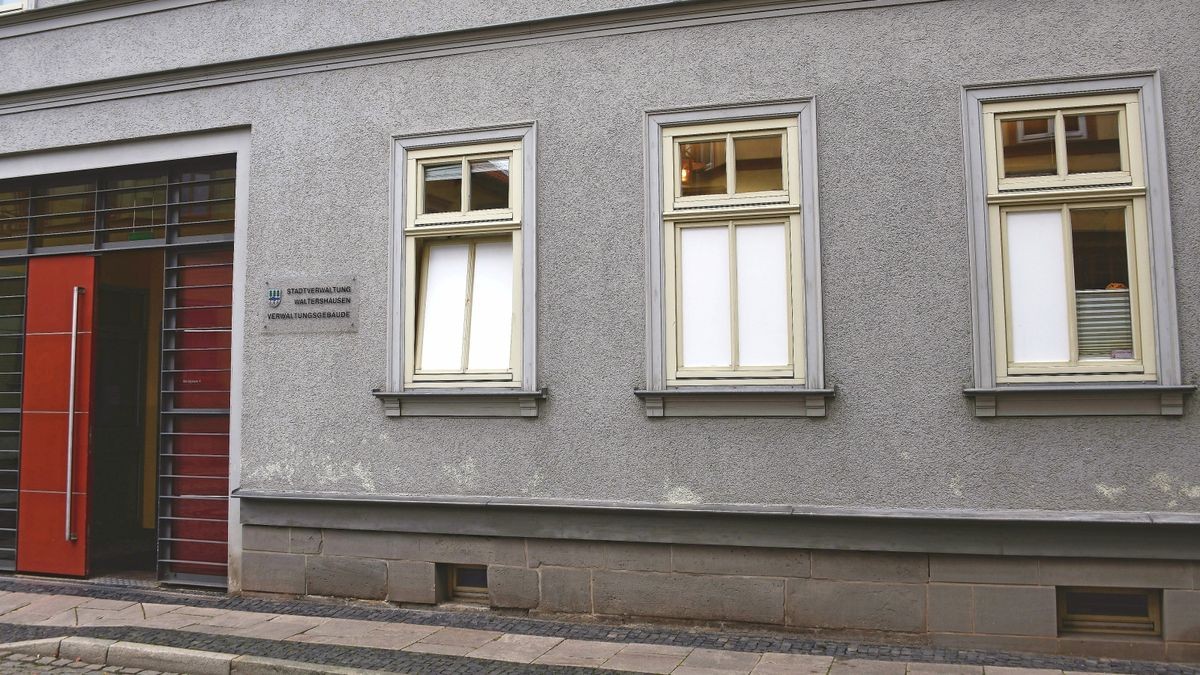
column 899, row 438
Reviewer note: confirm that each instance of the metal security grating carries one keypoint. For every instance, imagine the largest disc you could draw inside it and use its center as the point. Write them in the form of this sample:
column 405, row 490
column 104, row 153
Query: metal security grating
column 194, row 432
column 163, row 204
column 12, row 358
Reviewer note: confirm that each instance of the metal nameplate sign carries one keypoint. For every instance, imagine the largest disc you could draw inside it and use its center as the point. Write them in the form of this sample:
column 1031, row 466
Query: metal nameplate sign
column 311, row 305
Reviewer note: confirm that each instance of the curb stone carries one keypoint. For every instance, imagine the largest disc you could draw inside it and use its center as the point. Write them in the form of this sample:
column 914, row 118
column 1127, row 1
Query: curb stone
column 170, row 659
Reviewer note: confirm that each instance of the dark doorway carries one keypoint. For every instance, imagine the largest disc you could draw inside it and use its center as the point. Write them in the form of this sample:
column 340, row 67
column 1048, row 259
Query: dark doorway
column 124, row 428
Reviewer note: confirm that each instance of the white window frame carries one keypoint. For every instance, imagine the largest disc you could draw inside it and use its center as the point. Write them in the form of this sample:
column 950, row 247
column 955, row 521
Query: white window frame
column 734, row 209
column 794, row 390
column 1150, row 383
column 14, row 7
column 412, row 230
column 1067, row 192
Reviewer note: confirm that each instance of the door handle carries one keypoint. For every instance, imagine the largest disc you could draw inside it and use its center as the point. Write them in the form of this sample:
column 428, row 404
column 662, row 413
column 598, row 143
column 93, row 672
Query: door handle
column 75, row 293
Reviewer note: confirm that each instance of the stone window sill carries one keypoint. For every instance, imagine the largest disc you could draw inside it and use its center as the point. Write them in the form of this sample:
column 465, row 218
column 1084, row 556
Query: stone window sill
column 462, row 402
column 1058, row 400
column 735, row 401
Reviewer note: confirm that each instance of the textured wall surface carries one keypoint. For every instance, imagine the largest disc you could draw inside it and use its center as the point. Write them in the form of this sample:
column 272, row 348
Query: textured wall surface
column 214, row 32
column 887, row 85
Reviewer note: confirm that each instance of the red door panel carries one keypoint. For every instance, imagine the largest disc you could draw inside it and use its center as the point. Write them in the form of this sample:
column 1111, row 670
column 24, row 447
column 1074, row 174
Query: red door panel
column 48, row 359
column 49, row 295
column 49, row 473
column 44, row 544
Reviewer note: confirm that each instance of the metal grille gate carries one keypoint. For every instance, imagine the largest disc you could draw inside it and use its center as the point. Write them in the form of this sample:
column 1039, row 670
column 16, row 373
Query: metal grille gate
column 12, row 361
column 193, row 509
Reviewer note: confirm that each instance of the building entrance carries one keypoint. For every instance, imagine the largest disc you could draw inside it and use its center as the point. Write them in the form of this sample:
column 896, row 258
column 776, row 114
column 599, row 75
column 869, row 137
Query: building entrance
column 126, row 362
column 116, row 289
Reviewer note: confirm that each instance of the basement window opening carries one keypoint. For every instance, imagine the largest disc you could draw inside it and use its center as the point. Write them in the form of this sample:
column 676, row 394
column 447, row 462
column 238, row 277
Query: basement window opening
column 1117, row 611
column 469, row 583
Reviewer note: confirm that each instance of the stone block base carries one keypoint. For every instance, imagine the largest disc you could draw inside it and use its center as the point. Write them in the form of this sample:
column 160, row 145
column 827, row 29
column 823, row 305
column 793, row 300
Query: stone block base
column 967, row 601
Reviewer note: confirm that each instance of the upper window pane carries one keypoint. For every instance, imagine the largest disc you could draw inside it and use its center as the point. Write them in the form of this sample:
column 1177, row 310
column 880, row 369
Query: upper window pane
column 489, row 184
column 758, row 163
column 1028, row 147
column 443, row 188
column 702, row 168
column 1093, row 142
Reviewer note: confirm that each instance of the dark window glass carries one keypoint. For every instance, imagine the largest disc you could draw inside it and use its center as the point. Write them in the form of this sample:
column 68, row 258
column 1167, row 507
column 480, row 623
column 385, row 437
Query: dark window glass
column 1093, row 142
column 1028, row 147
column 471, row 577
column 443, row 188
column 489, row 184
column 1104, row 320
column 702, row 168
column 758, row 163
column 1098, row 603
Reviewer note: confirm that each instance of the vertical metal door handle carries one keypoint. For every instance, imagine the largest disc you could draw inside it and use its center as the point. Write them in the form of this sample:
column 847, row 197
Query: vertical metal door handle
column 78, row 291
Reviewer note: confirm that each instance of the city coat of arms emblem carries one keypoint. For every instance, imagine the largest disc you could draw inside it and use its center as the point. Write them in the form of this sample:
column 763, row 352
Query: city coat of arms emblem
column 274, row 297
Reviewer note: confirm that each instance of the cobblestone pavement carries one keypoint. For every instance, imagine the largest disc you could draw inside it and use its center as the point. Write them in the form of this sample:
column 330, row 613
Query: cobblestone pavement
column 383, row 637
column 20, row 663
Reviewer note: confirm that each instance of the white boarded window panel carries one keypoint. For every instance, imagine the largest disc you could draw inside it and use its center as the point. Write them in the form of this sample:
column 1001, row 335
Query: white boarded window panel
column 1037, row 291
column 762, row 295
column 491, row 307
column 704, row 286
column 444, row 305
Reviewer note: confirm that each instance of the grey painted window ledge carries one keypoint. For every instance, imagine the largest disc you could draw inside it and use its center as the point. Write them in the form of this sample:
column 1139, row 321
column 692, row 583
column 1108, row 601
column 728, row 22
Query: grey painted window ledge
column 461, row 402
column 1060, row 400
column 735, row 401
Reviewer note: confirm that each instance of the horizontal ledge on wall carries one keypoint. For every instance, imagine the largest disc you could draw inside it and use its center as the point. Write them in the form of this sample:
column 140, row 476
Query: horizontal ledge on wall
column 1089, row 399
column 735, row 401
column 1167, row 536
column 670, row 15
column 796, row 510
column 462, row 402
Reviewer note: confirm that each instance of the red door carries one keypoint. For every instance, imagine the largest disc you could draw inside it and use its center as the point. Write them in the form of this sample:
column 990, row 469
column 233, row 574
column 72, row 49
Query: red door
column 52, row 527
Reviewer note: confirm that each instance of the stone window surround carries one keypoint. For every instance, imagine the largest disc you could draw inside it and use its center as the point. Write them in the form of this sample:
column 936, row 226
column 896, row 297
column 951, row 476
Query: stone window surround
column 990, row 399
column 660, row 400
column 523, row 401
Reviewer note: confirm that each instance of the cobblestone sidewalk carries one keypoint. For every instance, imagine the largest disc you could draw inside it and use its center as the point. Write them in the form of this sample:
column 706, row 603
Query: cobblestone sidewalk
column 385, row 638
column 48, row 665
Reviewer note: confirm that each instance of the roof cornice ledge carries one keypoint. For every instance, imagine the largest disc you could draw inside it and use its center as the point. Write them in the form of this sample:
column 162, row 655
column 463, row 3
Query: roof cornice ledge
column 639, row 20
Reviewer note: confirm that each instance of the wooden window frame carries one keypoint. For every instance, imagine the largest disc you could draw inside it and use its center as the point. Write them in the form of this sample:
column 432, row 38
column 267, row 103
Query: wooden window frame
column 469, row 594
column 788, row 196
column 734, row 209
column 422, row 233
column 1078, row 623
column 1137, row 369
column 685, row 376
column 510, row 375
column 1129, row 127
column 418, row 160
column 1160, row 389
column 12, row 7
column 513, row 393
column 1125, row 188
column 802, row 392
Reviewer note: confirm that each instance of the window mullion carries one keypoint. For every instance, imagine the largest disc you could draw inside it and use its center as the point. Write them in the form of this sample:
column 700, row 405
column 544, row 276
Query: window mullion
column 730, row 171
column 1060, row 143
column 465, row 188
column 466, row 344
column 1069, row 269
column 1134, row 285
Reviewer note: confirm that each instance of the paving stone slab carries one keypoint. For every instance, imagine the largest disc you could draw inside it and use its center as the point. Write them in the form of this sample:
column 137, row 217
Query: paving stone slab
column 517, row 648
column 433, row 620
column 580, row 653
